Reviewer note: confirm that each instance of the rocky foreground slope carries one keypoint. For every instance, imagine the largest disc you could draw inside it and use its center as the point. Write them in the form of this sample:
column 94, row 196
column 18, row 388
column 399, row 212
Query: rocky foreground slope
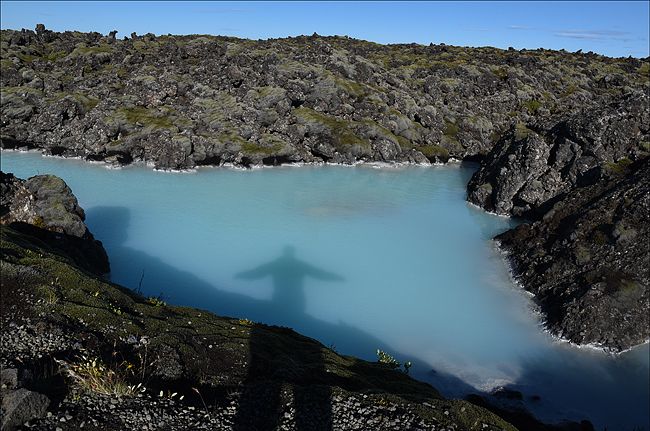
column 80, row 352
column 544, row 124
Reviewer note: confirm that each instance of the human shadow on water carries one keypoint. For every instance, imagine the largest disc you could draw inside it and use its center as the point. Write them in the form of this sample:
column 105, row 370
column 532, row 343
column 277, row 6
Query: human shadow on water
column 152, row 276
column 288, row 274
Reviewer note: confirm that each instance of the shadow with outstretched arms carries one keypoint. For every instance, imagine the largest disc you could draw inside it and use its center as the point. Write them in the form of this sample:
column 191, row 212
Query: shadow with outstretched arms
column 288, row 273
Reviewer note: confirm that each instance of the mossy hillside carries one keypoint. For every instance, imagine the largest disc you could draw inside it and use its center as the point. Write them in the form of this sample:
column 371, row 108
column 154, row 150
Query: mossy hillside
column 343, row 132
column 214, row 350
column 85, row 102
column 82, row 50
column 149, row 119
column 208, row 85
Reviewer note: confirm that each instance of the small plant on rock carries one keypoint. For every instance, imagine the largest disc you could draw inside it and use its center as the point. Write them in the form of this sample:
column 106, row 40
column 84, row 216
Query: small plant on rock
column 385, row 358
column 156, row 301
column 94, row 376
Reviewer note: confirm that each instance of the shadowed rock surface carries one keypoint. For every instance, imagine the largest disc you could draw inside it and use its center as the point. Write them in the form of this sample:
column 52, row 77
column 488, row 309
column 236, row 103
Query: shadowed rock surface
column 543, row 123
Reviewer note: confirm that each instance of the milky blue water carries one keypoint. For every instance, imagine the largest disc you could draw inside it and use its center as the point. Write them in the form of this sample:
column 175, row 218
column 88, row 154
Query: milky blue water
column 359, row 258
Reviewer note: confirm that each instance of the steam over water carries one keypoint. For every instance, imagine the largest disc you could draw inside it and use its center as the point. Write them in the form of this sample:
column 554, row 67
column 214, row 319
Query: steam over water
column 358, row 258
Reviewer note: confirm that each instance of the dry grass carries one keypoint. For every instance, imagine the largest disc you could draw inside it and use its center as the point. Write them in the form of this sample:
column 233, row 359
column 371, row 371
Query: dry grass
column 94, row 376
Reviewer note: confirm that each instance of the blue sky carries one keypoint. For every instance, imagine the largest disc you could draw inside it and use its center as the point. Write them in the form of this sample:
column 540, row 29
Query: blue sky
column 610, row 28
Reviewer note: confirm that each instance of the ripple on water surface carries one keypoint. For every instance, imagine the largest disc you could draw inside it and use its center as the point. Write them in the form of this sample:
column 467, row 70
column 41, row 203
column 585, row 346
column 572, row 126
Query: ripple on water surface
column 359, row 258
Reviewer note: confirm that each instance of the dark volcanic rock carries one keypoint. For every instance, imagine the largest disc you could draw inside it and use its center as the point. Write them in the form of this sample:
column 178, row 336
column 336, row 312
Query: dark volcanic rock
column 586, row 259
column 530, row 167
column 45, row 207
column 583, row 185
column 21, row 405
column 44, row 201
column 182, row 101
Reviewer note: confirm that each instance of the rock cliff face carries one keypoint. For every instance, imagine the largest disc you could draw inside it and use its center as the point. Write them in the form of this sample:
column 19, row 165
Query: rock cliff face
column 549, row 127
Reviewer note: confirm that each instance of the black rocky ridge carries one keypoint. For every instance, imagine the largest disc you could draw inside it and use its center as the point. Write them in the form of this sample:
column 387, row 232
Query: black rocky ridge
column 550, row 128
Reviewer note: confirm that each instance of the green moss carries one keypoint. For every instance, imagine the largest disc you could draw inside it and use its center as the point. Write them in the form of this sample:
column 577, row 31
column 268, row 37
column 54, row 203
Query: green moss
column 619, row 167
column 266, row 91
column 6, row 64
column 532, row 106
column 569, row 90
column 495, row 136
column 253, row 148
column 26, row 58
column 218, row 108
column 644, row 70
column 629, row 286
column 83, row 50
column 451, row 129
column 232, row 137
column 522, row 132
column 151, row 118
column 500, row 72
column 54, row 55
column 86, row 102
column 342, row 131
column 645, row 146
column 122, row 72
column 352, row 87
column 433, row 151
column 21, row 90
column 38, row 221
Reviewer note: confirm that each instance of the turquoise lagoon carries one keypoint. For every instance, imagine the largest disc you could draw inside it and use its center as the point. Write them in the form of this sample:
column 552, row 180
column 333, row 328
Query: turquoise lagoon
column 360, row 258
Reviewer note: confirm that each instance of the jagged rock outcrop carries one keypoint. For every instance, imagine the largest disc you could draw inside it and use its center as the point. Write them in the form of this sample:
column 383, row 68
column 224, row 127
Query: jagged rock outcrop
column 45, row 207
column 581, row 184
column 20, row 406
column 532, row 167
column 586, row 259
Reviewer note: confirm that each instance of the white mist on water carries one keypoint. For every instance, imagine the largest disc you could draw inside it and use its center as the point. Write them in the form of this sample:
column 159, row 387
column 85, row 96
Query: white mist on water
column 358, row 258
